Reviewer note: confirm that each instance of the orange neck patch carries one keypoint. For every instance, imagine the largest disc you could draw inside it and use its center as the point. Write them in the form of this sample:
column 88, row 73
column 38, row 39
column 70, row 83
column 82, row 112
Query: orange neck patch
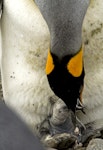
column 75, row 65
column 49, row 64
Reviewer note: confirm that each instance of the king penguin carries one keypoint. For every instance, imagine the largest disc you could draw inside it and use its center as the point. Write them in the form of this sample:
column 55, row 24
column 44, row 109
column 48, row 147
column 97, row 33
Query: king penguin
column 25, row 40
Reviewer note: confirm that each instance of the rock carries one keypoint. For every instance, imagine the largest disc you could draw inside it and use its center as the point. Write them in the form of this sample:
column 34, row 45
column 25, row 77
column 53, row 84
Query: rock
column 50, row 149
column 83, row 148
column 60, row 141
column 95, row 144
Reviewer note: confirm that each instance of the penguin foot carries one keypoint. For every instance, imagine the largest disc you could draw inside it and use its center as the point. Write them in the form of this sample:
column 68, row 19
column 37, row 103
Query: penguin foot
column 89, row 134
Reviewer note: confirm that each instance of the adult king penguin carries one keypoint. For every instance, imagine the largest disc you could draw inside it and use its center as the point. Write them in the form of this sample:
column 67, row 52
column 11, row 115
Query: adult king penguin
column 64, row 66
column 25, row 40
column 93, row 62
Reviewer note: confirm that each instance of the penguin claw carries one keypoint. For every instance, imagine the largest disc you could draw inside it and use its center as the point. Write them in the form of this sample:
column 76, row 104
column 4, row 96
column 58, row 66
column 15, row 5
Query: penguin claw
column 90, row 133
column 80, row 124
column 79, row 106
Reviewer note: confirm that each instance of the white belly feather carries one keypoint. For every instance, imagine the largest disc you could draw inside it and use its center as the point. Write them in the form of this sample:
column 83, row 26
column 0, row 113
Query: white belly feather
column 25, row 40
column 93, row 60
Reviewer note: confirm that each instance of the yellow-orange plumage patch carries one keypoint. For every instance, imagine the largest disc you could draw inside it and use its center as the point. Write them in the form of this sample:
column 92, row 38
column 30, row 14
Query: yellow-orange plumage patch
column 75, row 65
column 49, row 64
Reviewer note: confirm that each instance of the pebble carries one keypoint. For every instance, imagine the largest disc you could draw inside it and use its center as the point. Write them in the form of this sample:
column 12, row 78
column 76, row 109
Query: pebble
column 95, row 144
column 50, row 149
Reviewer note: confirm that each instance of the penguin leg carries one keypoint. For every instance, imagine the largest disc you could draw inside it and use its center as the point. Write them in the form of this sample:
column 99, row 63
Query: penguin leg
column 90, row 133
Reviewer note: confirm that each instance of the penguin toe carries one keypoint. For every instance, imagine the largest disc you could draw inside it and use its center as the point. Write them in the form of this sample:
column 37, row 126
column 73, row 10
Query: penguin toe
column 90, row 133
